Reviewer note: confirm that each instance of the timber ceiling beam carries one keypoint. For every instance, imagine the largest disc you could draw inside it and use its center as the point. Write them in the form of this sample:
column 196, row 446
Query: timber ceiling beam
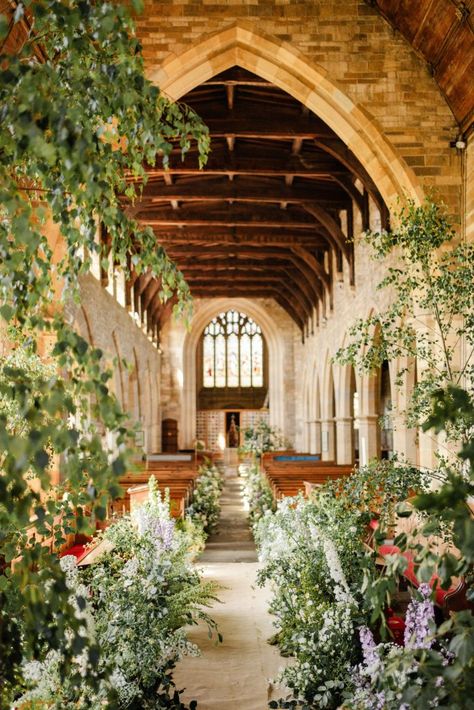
column 299, row 257
column 235, row 278
column 236, row 77
column 249, row 236
column 327, row 194
column 150, row 292
column 238, row 162
column 285, row 127
column 263, row 292
column 261, row 217
column 291, row 266
column 142, row 282
column 261, row 220
column 330, row 225
column 338, row 149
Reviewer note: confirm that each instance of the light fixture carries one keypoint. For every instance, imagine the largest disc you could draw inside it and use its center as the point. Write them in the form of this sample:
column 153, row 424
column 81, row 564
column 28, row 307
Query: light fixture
column 459, row 143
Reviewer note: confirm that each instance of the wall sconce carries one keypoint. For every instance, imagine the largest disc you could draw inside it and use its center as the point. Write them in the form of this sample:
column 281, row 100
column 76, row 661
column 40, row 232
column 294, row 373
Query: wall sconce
column 459, row 143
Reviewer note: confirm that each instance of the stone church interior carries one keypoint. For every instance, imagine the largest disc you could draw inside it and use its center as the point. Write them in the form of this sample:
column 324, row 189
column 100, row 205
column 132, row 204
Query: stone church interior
column 237, row 354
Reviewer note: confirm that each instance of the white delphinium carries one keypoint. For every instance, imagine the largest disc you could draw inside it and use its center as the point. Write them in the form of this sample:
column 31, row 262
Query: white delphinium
column 342, row 591
column 279, row 534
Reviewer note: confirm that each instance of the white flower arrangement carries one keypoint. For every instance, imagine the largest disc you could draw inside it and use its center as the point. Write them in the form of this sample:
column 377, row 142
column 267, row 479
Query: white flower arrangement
column 307, row 556
column 205, row 507
column 136, row 600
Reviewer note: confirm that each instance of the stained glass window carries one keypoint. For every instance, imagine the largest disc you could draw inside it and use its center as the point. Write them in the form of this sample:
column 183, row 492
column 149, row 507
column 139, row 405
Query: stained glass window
column 233, row 352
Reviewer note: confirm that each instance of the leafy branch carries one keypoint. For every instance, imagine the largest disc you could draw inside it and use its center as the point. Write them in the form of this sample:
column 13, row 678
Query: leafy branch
column 80, row 128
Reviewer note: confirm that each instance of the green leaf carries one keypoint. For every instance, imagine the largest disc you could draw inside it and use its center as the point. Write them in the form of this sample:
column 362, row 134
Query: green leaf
column 7, row 312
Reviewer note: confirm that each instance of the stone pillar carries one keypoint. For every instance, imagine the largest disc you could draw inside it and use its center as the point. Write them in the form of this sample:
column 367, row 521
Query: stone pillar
column 345, row 440
column 315, row 437
column 368, row 438
column 328, row 440
column 306, row 437
column 404, row 440
column 427, row 447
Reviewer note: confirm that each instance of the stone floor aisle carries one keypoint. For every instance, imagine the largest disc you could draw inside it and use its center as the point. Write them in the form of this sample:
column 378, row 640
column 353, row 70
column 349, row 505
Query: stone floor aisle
column 236, row 674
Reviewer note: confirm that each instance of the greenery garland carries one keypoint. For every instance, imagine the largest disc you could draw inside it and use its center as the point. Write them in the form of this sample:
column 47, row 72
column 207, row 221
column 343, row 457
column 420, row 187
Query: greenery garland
column 80, row 123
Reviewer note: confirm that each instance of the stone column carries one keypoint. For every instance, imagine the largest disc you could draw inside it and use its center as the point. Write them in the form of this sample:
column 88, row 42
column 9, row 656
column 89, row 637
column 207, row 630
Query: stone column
column 315, row 437
column 368, row 438
column 328, row 439
column 345, row 440
column 404, row 440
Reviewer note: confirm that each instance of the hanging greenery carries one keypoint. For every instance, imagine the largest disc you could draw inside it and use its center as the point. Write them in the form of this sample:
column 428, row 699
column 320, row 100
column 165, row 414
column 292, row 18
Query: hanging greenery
column 431, row 311
column 80, row 124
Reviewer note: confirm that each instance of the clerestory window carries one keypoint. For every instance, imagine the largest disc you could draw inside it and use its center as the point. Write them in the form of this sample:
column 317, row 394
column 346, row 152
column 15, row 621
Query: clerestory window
column 232, row 352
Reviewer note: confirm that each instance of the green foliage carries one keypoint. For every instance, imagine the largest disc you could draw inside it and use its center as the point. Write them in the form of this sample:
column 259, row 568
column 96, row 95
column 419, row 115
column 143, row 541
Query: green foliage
column 431, row 314
column 431, row 307
column 311, row 552
column 79, row 124
column 76, row 145
column 205, row 508
column 261, row 438
column 137, row 598
column 257, row 493
column 374, row 490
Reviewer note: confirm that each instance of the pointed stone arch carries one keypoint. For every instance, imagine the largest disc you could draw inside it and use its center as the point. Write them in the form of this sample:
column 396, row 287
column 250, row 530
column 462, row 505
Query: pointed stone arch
column 276, row 370
column 286, row 67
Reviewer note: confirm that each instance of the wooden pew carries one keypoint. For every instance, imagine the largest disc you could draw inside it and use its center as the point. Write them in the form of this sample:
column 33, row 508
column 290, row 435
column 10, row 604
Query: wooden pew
column 178, row 477
column 295, row 473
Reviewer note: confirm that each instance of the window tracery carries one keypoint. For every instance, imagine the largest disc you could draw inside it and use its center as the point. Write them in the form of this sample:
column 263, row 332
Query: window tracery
column 232, row 348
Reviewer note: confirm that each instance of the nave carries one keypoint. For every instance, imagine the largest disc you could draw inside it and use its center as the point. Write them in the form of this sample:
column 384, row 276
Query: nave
column 237, row 673
column 236, row 233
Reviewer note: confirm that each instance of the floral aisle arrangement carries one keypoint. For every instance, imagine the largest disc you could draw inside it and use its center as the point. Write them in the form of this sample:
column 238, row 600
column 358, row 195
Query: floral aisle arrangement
column 434, row 274
column 137, row 598
column 205, row 508
column 436, row 666
column 257, row 493
column 314, row 556
column 314, row 565
column 389, row 676
column 261, row 438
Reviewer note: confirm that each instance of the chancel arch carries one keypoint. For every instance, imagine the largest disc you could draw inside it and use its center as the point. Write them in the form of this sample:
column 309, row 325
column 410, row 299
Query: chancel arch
column 192, row 341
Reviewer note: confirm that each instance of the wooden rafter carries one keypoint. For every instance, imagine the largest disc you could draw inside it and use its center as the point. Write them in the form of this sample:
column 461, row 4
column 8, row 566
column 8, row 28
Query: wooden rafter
column 263, row 214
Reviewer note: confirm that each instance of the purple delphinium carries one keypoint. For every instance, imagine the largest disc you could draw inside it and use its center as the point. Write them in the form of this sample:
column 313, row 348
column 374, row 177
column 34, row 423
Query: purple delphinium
column 368, row 646
column 379, row 701
column 418, row 618
column 160, row 530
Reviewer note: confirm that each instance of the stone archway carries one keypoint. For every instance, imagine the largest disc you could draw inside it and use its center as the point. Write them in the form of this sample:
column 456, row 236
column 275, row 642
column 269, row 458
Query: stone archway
column 286, row 67
column 275, row 362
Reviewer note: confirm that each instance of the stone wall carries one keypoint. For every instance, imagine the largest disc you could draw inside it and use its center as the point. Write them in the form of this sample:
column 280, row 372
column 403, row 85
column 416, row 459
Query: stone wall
column 366, row 62
column 179, row 345
column 469, row 189
column 107, row 325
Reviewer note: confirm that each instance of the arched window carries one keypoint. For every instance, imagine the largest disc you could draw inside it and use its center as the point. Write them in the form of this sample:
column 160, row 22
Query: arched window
column 232, row 352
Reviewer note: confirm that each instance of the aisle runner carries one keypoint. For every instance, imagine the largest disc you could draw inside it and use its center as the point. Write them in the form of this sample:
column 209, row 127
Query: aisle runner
column 236, row 674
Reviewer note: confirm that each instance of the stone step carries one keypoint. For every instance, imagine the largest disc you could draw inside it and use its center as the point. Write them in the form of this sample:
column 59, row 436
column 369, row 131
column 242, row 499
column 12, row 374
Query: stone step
column 233, row 541
column 249, row 545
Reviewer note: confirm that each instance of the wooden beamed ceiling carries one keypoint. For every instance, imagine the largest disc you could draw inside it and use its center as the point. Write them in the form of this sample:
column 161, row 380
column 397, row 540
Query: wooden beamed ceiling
column 442, row 33
column 272, row 213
